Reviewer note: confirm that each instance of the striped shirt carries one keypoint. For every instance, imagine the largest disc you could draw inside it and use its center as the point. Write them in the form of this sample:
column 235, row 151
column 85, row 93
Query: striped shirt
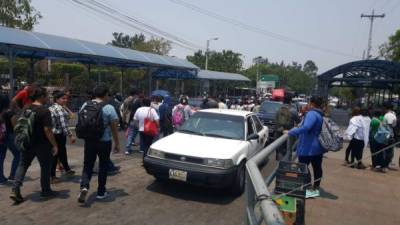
column 59, row 117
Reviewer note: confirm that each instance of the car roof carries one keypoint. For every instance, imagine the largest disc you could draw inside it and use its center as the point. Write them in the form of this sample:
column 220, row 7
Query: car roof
column 228, row 112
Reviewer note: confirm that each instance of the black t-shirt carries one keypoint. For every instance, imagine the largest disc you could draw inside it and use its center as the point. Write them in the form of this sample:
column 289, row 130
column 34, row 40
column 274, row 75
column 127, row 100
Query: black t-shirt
column 42, row 119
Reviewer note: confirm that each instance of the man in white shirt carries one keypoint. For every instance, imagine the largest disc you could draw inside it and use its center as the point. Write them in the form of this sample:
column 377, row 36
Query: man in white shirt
column 141, row 114
column 389, row 119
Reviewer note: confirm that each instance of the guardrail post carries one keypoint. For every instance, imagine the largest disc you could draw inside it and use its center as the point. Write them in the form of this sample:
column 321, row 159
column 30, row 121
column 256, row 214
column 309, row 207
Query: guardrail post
column 251, row 202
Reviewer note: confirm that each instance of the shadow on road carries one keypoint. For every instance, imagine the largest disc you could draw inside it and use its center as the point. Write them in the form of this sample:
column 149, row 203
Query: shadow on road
column 191, row 192
column 35, row 196
column 327, row 195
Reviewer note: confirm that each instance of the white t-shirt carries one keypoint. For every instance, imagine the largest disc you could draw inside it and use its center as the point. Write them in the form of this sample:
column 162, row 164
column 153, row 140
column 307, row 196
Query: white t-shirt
column 222, row 105
column 390, row 118
column 143, row 113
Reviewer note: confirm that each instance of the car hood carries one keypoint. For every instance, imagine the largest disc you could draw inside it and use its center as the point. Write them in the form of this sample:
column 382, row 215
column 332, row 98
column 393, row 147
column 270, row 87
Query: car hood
column 199, row 146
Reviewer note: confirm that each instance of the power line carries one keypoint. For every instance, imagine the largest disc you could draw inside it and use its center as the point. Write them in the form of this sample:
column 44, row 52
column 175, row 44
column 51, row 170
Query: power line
column 96, row 10
column 258, row 30
column 138, row 21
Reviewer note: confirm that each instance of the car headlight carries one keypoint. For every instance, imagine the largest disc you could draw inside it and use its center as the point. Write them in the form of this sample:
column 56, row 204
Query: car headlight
column 156, row 153
column 220, row 163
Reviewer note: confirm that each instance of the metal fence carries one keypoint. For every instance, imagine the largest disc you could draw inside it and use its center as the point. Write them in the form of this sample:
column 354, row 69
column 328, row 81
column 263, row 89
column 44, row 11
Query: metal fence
column 260, row 207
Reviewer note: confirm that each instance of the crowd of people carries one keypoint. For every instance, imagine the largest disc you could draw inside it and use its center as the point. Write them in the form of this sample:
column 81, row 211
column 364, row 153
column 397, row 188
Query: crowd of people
column 376, row 128
column 32, row 126
column 378, row 132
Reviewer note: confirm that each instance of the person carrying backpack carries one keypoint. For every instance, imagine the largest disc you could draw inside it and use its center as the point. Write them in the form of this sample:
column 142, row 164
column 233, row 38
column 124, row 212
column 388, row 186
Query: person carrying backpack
column 390, row 120
column 34, row 138
column 309, row 149
column 375, row 146
column 97, row 124
column 181, row 113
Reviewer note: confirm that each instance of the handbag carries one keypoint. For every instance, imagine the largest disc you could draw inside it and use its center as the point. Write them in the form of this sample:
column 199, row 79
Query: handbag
column 150, row 125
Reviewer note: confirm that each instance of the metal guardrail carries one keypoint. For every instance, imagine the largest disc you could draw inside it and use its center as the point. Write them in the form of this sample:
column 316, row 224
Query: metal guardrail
column 257, row 187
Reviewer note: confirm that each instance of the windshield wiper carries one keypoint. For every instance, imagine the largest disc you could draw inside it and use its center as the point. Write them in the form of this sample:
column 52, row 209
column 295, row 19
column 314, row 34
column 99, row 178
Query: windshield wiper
column 190, row 132
column 217, row 135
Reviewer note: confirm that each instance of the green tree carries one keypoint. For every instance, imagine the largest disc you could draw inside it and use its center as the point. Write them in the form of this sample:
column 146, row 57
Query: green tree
column 18, row 14
column 225, row 61
column 310, row 68
column 391, row 49
column 291, row 76
column 139, row 42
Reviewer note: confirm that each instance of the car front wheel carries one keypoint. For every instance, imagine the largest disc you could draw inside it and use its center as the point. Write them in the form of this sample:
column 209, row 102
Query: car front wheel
column 240, row 179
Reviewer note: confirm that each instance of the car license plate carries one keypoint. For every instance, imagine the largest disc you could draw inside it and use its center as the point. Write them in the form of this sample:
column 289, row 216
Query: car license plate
column 177, row 175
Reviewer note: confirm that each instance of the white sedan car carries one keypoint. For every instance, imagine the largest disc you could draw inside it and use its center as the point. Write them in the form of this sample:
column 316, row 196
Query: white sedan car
column 210, row 149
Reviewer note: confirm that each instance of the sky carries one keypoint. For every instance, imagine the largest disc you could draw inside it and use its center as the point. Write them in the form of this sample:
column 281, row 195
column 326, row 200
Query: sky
column 329, row 26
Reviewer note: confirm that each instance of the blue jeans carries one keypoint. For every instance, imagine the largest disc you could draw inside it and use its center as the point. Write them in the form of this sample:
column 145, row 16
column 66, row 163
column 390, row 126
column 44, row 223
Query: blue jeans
column 132, row 133
column 9, row 143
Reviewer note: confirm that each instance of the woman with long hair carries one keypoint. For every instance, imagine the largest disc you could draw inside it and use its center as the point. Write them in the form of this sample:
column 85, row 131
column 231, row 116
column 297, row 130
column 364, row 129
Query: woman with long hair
column 60, row 119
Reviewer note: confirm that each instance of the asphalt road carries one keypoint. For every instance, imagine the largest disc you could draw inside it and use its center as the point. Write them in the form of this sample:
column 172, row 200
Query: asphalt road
column 135, row 198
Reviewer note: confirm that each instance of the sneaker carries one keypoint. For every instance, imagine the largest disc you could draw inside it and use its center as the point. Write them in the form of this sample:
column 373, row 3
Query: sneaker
column 82, row 195
column 392, row 168
column 308, row 193
column 128, row 152
column 312, row 193
column 16, row 196
column 102, row 196
column 11, row 179
column 70, row 173
column 315, row 193
column 55, row 180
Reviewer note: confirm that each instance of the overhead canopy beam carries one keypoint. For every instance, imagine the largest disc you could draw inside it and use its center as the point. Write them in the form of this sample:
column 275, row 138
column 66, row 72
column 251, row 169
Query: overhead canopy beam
column 377, row 74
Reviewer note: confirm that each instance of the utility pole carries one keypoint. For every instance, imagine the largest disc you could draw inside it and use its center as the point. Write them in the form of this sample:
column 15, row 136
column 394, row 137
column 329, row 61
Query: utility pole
column 371, row 18
column 207, row 49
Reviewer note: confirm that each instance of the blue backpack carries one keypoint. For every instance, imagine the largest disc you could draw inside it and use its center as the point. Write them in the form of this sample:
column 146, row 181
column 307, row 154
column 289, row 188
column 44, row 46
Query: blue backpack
column 383, row 134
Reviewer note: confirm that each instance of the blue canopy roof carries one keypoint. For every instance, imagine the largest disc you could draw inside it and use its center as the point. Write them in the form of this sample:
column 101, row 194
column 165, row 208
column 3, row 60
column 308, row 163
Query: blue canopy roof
column 214, row 75
column 39, row 45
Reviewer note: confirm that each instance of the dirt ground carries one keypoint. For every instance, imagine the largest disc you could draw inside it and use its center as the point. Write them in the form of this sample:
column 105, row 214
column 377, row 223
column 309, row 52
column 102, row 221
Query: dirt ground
column 135, row 198
column 349, row 196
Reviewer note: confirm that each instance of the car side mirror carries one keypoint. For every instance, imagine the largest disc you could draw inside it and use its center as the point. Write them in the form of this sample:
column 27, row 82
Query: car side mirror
column 253, row 137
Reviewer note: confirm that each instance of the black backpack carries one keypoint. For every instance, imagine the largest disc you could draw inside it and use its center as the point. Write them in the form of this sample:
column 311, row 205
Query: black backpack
column 90, row 121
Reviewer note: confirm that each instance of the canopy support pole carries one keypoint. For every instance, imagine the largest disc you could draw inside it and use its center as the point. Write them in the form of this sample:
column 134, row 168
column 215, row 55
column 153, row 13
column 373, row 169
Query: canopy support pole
column 121, row 82
column 11, row 64
column 31, row 77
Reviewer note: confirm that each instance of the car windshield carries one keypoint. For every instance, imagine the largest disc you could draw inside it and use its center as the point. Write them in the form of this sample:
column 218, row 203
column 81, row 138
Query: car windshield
column 214, row 125
column 270, row 107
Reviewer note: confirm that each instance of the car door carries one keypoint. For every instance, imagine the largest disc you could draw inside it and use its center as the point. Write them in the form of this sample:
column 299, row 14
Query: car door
column 262, row 132
column 252, row 144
